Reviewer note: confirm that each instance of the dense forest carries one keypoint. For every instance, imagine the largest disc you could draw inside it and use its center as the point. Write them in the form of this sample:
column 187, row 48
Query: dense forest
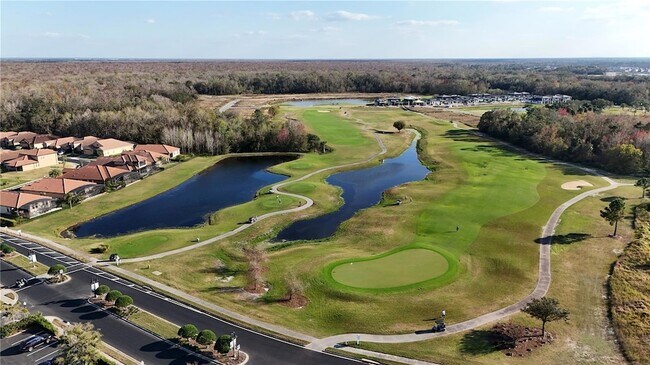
column 151, row 102
column 618, row 143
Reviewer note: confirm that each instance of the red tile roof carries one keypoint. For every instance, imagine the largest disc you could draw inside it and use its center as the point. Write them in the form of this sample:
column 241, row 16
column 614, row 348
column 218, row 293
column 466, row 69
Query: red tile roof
column 111, row 143
column 6, row 155
column 94, row 173
column 20, row 161
column 159, row 148
column 16, row 200
column 57, row 186
column 37, row 152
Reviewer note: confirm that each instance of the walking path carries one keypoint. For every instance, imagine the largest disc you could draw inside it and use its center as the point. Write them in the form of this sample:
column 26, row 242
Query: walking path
column 228, row 105
column 274, row 189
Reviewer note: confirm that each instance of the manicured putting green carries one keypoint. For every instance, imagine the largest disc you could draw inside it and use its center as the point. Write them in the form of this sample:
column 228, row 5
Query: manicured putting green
column 398, row 269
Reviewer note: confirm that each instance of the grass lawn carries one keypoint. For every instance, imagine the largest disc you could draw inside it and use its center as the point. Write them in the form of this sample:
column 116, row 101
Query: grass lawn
column 499, row 199
column 13, row 178
column 155, row 324
column 397, row 269
column 579, row 273
column 23, row 262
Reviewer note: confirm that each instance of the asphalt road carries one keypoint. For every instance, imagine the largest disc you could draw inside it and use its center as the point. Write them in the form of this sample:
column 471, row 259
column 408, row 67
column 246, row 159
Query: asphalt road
column 69, row 302
column 261, row 348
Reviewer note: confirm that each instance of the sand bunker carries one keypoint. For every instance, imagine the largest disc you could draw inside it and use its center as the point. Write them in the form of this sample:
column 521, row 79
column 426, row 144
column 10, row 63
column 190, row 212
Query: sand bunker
column 323, row 111
column 575, row 185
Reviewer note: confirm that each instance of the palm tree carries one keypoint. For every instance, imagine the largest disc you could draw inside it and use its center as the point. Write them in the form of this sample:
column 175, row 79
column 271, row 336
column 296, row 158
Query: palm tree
column 71, row 199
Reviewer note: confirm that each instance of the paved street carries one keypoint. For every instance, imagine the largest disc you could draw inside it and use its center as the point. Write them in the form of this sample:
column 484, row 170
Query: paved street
column 68, row 301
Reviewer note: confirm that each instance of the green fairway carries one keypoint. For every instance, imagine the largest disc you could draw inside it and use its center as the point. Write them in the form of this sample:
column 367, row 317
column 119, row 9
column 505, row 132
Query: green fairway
column 397, row 269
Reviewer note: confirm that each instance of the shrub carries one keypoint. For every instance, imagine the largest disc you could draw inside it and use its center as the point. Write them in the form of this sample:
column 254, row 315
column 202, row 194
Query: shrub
column 102, row 289
column 102, row 248
column 188, row 331
column 6, row 249
column 123, row 301
column 206, row 337
column 223, row 344
column 56, row 269
column 113, row 295
column 34, row 320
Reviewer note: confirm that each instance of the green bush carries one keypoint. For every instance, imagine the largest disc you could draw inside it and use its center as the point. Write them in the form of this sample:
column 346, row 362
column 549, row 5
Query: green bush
column 223, row 344
column 206, row 337
column 102, row 248
column 6, row 249
column 34, row 320
column 54, row 270
column 188, row 331
column 123, row 301
column 102, row 289
column 113, row 295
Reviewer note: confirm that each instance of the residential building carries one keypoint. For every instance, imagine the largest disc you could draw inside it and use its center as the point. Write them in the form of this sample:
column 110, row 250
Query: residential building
column 108, row 147
column 26, row 205
column 63, row 145
column 58, row 188
column 13, row 140
column 24, row 160
column 164, row 149
column 96, row 173
column 79, row 145
column 37, row 141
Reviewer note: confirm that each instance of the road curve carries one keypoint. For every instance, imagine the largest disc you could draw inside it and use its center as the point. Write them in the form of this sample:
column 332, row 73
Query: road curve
column 308, row 203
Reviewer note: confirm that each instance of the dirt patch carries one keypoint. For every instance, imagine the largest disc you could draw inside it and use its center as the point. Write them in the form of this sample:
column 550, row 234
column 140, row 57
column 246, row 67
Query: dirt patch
column 518, row 341
column 447, row 114
column 576, row 185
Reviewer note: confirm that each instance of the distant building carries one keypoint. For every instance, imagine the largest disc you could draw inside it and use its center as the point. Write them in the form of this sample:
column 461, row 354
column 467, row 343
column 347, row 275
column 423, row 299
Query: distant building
column 79, row 145
column 19, row 204
column 13, row 140
column 108, row 147
column 37, row 141
column 164, row 149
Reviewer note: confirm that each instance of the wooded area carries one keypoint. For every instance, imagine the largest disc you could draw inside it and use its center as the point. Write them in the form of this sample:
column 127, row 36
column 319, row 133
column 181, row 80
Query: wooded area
column 619, row 143
column 154, row 102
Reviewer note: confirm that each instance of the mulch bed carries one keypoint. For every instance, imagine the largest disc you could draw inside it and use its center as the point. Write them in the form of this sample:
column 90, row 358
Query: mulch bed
column 518, row 341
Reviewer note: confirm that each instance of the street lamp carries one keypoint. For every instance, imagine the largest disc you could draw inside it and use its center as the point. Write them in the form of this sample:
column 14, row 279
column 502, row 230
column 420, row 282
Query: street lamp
column 233, row 345
column 94, row 284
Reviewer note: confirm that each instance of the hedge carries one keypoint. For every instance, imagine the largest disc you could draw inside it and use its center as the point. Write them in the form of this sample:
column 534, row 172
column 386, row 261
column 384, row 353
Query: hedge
column 33, row 320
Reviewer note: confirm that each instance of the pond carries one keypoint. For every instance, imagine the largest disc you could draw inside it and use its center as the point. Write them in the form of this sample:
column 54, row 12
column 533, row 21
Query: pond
column 315, row 102
column 232, row 181
column 361, row 189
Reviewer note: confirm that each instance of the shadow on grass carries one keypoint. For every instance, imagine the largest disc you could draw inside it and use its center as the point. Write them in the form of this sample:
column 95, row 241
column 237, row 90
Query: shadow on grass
column 610, row 199
column 479, row 342
column 563, row 239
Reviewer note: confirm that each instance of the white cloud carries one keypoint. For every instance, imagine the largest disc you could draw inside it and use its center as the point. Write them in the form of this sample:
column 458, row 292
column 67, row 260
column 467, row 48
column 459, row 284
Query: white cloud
column 250, row 33
column 84, row 36
column 419, row 23
column 302, row 15
column 554, row 9
column 623, row 10
column 343, row 15
column 274, row 16
column 151, row 20
column 52, row 35
column 328, row 29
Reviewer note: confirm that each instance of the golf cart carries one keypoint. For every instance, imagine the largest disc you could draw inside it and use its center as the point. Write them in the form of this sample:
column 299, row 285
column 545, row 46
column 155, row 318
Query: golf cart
column 439, row 326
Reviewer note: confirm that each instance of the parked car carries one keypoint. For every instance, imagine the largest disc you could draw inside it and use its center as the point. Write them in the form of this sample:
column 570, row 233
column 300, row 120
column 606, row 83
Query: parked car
column 35, row 341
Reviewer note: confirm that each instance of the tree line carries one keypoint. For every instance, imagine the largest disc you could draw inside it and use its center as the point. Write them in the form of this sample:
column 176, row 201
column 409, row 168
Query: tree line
column 618, row 143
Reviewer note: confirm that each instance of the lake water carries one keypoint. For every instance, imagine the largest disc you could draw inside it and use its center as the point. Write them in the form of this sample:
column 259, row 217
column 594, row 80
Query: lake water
column 361, row 189
column 232, row 181
column 315, row 102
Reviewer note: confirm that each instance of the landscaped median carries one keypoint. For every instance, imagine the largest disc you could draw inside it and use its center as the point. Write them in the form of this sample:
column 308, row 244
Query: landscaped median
column 205, row 343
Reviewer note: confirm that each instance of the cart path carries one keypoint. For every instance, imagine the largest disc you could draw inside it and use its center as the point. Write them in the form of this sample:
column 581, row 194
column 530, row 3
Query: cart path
column 274, row 189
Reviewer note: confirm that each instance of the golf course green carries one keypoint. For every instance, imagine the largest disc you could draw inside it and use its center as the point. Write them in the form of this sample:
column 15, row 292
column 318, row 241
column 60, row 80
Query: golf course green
column 396, row 269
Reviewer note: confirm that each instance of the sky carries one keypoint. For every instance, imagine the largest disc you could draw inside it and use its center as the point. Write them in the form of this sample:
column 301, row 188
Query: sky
column 324, row 30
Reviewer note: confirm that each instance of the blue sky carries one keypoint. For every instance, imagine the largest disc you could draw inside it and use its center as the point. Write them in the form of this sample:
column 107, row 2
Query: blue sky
column 325, row 30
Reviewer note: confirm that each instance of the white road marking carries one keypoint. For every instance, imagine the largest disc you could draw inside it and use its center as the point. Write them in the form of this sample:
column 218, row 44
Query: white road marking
column 17, row 342
column 48, row 355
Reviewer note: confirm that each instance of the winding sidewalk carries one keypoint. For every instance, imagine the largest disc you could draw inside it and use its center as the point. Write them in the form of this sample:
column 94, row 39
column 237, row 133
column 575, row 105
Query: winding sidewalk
column 274, row 189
